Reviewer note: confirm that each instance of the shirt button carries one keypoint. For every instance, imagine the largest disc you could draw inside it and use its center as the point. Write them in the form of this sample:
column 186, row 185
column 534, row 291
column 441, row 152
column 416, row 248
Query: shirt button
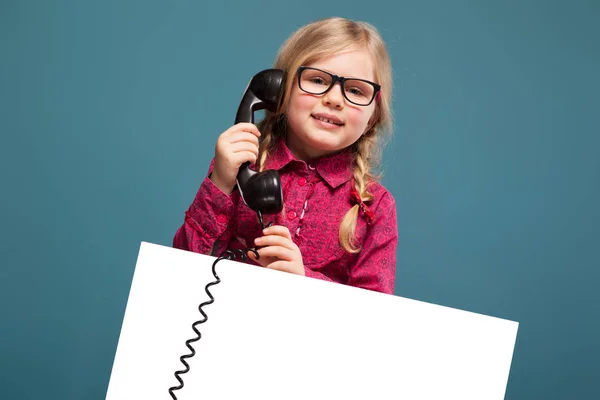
column 292, row 215
column 311, row 166
column 221, row 218
column 301, row 181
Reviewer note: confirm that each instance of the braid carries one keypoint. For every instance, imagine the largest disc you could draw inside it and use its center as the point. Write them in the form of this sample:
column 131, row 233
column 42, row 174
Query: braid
column 263, row 152
column 270, row 128
column 362, row 176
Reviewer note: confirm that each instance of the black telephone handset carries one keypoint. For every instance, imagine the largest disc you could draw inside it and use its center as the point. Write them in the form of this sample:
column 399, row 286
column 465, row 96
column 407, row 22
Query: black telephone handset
column 261, row 191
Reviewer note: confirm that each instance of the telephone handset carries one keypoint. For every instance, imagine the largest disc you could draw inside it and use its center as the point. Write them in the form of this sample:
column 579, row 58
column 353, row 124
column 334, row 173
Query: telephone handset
column 261, row 191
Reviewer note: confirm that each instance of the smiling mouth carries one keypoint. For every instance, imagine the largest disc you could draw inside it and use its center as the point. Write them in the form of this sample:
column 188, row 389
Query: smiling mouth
column 329, row 121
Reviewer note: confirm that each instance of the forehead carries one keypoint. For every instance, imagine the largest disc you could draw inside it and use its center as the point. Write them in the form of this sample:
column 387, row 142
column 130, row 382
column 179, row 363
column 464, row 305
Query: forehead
column 355, row 63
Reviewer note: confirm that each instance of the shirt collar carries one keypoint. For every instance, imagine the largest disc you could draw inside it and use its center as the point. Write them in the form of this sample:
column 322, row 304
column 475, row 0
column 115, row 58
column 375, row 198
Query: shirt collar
column 335, row 169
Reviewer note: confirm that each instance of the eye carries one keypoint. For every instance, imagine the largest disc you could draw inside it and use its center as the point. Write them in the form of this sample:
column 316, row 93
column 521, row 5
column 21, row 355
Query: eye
column 317, row 80
column 355, row 91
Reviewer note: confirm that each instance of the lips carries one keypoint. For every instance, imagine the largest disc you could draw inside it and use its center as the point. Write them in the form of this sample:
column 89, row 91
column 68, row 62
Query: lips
column 332, row 119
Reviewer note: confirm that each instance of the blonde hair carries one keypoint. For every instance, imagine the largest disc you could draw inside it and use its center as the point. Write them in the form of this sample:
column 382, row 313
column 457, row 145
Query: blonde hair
column 309, row 44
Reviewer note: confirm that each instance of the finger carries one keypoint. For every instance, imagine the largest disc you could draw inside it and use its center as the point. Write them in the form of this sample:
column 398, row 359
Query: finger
column 246, row 127
column 243, row 137
column 278, row 230
column 245, row 157
column 279, row 252
column 274, row 240
column 262, row 261
column 240, row 158
column 242, row 147
column 283, row 266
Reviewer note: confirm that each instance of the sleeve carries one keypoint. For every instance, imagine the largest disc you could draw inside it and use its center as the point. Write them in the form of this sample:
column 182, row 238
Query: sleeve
column 314, row 274
column 375, row 267
column 207, row 224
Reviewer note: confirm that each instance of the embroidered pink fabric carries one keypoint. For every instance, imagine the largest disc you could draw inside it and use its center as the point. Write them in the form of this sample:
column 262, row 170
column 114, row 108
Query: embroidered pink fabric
column 317, row 195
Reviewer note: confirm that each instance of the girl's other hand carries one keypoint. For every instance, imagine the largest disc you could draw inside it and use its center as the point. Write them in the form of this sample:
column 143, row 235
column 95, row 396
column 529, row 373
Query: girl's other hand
column 278, row 251
column 235, row 146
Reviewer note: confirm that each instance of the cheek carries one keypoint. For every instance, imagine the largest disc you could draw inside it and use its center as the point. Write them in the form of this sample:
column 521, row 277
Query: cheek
column 299, row 109
column 301, row 103
column 359, row 118
column 302, row 100
column 294, row 113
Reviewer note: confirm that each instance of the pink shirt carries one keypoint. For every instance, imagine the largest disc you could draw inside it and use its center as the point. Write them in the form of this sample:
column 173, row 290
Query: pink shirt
column 316, row 198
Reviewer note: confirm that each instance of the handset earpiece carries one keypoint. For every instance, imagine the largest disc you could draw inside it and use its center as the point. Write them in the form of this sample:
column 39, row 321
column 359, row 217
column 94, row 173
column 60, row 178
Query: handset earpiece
column 261, row 191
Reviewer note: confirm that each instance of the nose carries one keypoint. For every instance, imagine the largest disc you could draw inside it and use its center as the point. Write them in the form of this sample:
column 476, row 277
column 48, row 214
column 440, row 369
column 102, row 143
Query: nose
column 334, row 97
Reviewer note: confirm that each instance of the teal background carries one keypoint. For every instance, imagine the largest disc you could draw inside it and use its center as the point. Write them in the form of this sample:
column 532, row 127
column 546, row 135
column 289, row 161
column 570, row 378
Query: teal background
column 109, row 112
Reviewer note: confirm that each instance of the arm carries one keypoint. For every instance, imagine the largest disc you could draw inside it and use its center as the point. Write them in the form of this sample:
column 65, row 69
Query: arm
column 206, row 227
column 375, row 267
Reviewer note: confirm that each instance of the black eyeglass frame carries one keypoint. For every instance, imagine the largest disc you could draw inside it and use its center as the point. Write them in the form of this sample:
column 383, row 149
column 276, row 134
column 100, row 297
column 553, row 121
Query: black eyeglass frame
column 342, row 80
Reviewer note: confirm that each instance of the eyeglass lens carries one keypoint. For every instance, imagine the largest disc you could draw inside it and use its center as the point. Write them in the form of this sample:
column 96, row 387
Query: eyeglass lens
column 317, row 82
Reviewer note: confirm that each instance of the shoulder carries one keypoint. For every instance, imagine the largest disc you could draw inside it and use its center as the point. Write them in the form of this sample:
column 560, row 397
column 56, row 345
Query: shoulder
column 383, row 200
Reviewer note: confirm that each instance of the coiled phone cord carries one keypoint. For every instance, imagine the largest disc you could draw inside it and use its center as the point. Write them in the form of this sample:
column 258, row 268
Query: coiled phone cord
column 226, row 255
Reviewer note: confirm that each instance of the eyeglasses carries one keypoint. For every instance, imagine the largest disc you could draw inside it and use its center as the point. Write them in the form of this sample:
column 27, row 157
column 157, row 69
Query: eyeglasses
column 357, row 91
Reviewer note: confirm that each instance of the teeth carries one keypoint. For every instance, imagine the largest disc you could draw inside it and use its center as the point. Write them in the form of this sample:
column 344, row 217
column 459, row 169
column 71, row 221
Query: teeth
column 327, row 120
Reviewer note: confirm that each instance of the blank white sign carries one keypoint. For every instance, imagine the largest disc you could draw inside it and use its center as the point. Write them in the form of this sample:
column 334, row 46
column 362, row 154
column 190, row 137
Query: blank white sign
column 274, row 335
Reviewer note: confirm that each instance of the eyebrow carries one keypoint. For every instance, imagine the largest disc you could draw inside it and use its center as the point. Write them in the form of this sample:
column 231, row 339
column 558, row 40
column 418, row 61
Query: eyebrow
column 349, row 77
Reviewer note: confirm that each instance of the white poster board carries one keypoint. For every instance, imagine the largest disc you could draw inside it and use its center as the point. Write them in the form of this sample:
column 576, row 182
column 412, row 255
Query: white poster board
column 274, row 335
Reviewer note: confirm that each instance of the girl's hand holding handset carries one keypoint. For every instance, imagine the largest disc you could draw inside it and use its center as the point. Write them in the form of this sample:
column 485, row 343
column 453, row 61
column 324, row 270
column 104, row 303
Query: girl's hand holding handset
column 234, row 147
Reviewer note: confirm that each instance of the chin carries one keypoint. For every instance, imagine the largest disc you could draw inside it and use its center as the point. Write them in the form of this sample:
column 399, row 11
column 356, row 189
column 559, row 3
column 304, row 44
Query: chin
column 327, row 147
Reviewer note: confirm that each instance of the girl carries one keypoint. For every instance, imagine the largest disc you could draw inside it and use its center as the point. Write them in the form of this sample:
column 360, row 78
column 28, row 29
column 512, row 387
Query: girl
column 339, row 223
